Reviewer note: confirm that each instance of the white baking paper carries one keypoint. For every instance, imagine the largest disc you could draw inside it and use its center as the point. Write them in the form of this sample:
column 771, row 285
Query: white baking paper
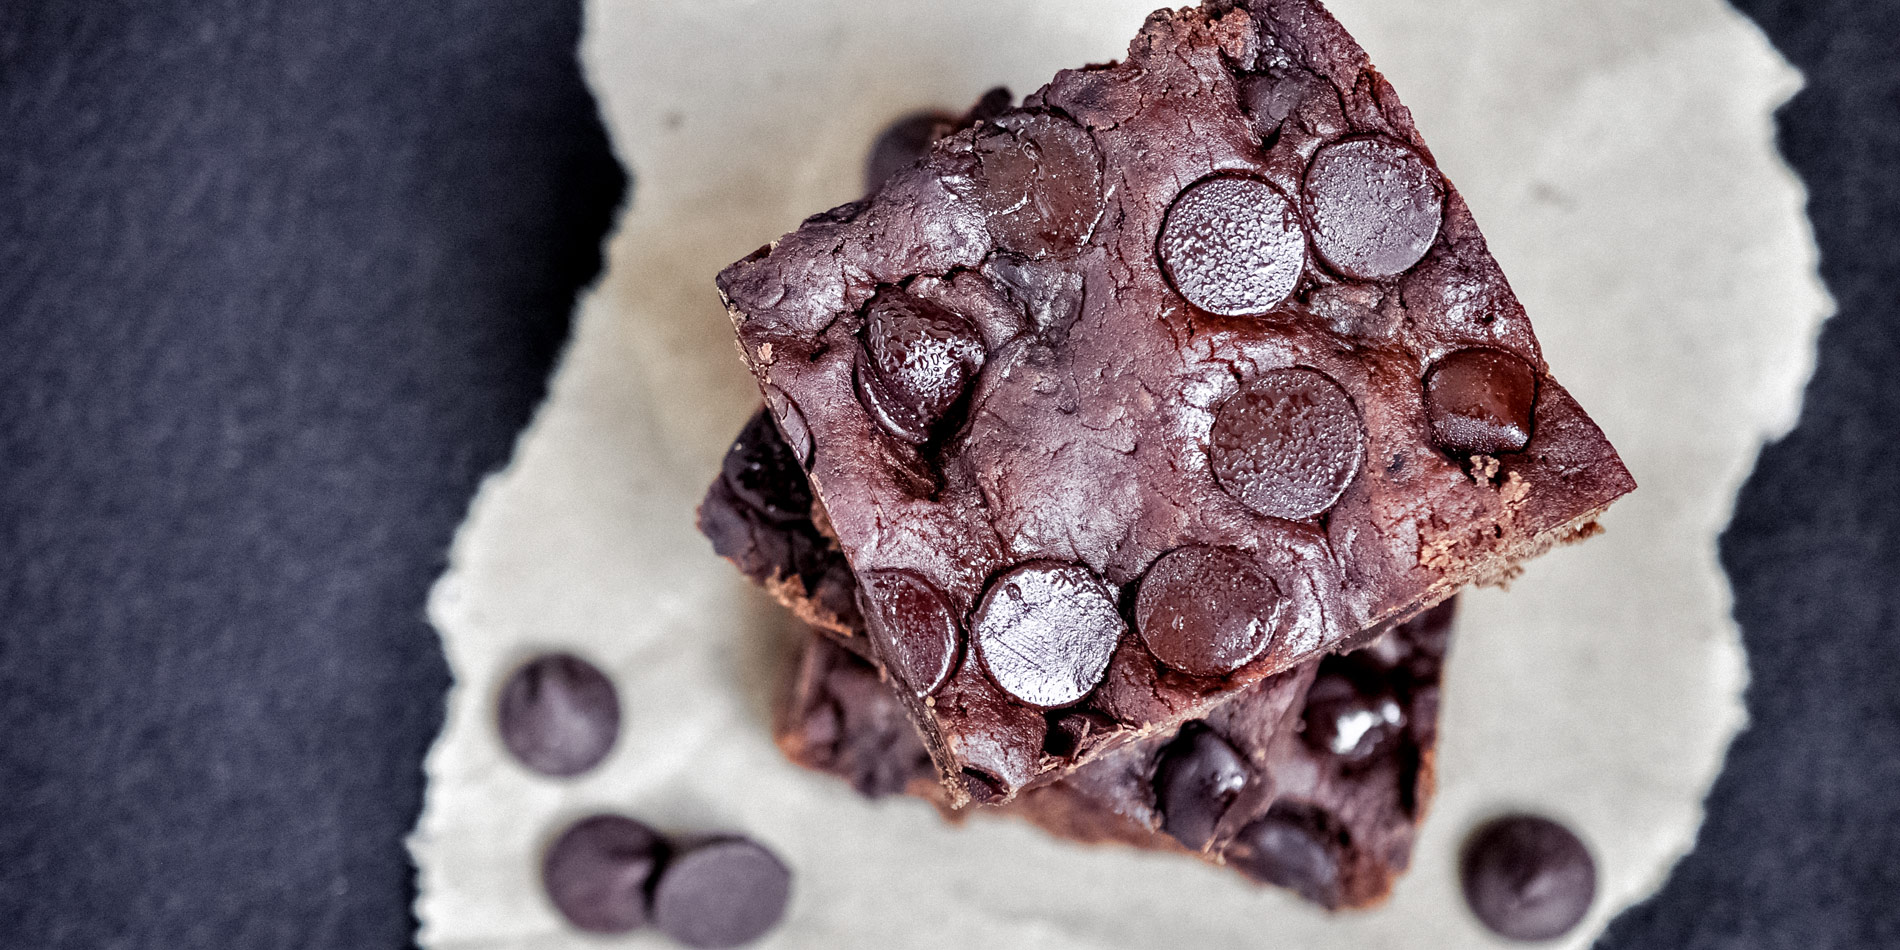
column 1617, row 153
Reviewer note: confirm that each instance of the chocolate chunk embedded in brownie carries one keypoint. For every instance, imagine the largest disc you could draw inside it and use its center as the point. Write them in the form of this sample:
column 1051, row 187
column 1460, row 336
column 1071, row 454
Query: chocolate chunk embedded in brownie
column 1212, row 306
column 1314, row 779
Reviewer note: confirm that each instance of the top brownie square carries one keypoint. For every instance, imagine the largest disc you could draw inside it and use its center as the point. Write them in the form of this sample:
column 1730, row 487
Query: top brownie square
column 1188, row 369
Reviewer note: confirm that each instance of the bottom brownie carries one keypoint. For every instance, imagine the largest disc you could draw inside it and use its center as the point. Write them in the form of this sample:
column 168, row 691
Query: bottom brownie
column 1314, row 780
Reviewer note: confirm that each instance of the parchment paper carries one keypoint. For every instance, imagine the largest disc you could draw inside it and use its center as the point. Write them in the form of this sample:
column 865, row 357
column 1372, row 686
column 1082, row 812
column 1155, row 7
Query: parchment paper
column 1619, row 156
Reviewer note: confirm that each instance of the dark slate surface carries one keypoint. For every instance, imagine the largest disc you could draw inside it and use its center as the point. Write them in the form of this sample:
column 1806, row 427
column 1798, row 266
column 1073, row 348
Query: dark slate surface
column 1801, row 848
column 279, row 281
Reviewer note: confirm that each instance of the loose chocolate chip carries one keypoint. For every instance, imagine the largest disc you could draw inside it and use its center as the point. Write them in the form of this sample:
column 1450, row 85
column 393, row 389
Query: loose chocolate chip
column 916, row 361
column 1045, row 631
column 1206, row 611
column 1039, row 178
column 597, row 871
column 794, row 431
column 1375, row 207
column 1347, row 724
column 1289, row 848
column 1528, row 878
column 1232, row 246
column 558, row 714
column 903, row 143
column 1481, row 401
column 1198, row 776
column 1288, row 444
column 723, row 893
column 912, row 628
column 763, row 471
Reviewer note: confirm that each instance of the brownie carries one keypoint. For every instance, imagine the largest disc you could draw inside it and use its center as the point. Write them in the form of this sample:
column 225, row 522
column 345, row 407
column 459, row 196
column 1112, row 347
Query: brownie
column 1314, row 779
column 1190, row 368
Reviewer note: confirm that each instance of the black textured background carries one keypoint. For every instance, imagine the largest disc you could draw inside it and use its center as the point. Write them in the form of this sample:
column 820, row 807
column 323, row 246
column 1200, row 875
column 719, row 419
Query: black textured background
column 279, row 281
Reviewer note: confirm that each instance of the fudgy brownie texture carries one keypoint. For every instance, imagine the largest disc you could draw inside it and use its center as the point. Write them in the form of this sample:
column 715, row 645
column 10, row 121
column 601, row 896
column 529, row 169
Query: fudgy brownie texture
column 1314, row 779
column 1187, row 370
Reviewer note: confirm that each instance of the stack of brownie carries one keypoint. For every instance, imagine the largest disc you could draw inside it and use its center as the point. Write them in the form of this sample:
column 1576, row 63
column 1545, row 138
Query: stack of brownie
column 1125, row 447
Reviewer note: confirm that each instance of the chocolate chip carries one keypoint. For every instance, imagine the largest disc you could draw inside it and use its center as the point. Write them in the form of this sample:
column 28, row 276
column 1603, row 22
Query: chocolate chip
column 1481, row 401
column 1198, row 776
column 983, row 787
column 912, row 628
column 1345, row 723
column 1375, row 207
column 1045, row 631
column 596, row 873
column 723, row 893
column 1280, row 94
column 1528, row 878
column 1206, row 611
column 1289, row 847
column 1070, row 729
column 1232, row 246
column 794, row 431
column 903, row 143
column 1287, row 444
column 558, row 714
column 1039, row 178
column 763, row 471
column 916, row 361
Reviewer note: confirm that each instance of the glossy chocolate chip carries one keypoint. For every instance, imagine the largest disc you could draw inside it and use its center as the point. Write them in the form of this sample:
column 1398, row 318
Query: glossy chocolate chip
column 916, row 361
column 1198, row 776
column 1206, row 611
column 1039, row 179
column 558, row 714
column 724, row 893
column 1375, row 207
column 903, row 143
column 1288, row 848
column 1045, row 631
column 1287, row 444
column 1342, row 721
column 1232, row 246
column 765, row 473
column 1481, row 401
column 596, row 873
column 1528, row 878
column 912, row 628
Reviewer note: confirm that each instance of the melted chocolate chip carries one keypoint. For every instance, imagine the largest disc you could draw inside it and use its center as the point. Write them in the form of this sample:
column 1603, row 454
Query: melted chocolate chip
column 558, row 714
column 723, row 893
column 1528, row 878
column 1481, row 401
column 1198, row 776
column 1045, row 631
column 1288, row 444
column 1206, row 611
column 912, row 628
column 764, row 472
column 1289, row 848
column 1039, row 178
column 916, row 361
column 596, row 873
column 903, row 143
column 1232, row 246
column 1345, row 723
column 1375, row 207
